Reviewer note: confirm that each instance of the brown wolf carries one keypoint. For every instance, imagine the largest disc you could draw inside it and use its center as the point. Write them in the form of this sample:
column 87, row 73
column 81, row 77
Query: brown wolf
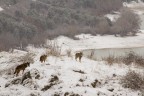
column 21, row 67
column 43, row 58
column 78, row 55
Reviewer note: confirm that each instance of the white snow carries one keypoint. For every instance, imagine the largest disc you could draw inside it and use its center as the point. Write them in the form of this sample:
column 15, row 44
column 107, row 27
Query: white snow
column 97, row 42
column 112, row 17
column 63, row 67
column 1, row 9
column 69, row 80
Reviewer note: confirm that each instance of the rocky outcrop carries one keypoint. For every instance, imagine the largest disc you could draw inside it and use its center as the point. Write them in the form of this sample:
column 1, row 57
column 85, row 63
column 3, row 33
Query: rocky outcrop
column 26, row 80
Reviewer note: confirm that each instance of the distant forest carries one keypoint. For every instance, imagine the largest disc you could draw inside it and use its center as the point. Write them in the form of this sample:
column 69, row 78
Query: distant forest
column 24, row 22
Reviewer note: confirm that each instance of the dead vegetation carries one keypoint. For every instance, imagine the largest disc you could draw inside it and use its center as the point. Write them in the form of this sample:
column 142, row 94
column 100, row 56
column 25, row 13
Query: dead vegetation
column 128, row 59
column 91, row 54
column 53, row 48
column 133, row 81
column 28, row 57
column 79, row 71
column 69, row 52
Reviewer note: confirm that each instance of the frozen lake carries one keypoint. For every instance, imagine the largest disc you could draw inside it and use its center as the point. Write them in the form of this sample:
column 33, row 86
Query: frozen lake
column 103, row 53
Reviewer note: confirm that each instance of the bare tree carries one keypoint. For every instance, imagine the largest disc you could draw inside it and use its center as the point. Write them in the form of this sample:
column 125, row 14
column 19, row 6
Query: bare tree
column 7, row 41
column 103, row 27
column 128, row 23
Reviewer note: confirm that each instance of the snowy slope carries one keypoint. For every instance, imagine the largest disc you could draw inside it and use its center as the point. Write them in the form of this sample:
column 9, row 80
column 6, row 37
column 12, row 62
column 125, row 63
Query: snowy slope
column 73, row 77
column 68, row 80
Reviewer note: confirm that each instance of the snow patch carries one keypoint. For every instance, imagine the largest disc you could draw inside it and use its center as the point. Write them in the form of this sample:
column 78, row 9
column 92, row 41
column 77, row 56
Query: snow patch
column 1, row 9
column 112, row 17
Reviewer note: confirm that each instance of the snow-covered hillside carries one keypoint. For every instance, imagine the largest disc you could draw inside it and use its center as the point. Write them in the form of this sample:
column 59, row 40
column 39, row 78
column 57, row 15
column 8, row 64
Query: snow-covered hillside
column 64, row 76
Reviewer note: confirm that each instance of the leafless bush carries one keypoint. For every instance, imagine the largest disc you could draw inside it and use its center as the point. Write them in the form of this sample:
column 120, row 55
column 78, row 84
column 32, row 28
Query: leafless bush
column 7, row 41
column 132, row 80
column 107, row 6
column 91, row 55
column 39, row 39
column 53, row 48
column 127, row 24
column 129, row 58
column 103, row 27
column 110, row 59
column 139, row 61
column 27, row 58
column 69, row 53
column 133, row 58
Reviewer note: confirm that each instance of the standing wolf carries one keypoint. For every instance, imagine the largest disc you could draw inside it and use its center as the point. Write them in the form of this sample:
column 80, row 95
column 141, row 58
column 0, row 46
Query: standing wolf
column 43, row 58
column 78, row 55
column 21, row 67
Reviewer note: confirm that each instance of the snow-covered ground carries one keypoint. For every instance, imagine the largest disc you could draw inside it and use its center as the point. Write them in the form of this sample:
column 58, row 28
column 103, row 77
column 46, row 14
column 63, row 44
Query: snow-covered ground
column 98, row 42
column 64, row 75
column 69, row 80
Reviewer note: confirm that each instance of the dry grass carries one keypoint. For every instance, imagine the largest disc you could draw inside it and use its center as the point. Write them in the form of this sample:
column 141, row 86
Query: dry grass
column 110, row 60
column 91, row 55
column 69, row 52
column 139, row 61
column 53, row 49
column 128, row 59
column 133, row 81
column 27, row 58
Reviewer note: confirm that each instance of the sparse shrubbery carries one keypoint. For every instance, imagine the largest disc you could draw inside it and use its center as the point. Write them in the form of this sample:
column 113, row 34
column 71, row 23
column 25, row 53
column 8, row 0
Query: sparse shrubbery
column 53, row 49
column 91, row 56
column 110, row 59
column 133, row 80
column 69, row 53
column 128, row 59
column 27, row 58
column 130, row 0
column 139, row 60
column 44, row 19
column 133, row 58
column 100, row 6
column 127, row 24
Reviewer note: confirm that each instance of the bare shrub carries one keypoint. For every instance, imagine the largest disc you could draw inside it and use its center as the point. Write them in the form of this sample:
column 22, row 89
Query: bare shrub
column 53, row 48
column 69, row 53
column 133, row 58
column 27, row 58
column 129, row 58
column 132, row 80
column 107, row 6
column 103, row 27
column 7, row 41
column 128, row 23
column 39, row 39
column 110, row 59
column 91, row 55
column 139, row 61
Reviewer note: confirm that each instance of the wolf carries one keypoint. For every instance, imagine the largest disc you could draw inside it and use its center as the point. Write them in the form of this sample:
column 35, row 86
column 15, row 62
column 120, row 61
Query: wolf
column 21, row 67
column 78, row 55
column 43, row 58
